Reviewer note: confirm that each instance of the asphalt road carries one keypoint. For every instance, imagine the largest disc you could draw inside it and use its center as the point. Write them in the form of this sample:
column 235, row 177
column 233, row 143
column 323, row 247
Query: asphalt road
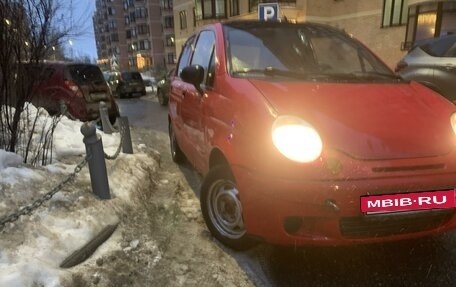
column 424, row 262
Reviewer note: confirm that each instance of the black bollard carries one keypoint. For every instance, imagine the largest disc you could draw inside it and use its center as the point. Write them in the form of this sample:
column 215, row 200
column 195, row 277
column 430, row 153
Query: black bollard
column 96, row 161
column 124, row 127
column 104, row 116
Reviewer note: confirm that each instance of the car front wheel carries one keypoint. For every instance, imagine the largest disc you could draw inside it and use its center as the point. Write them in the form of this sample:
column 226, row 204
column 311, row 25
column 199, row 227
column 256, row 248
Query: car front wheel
column 222, row 209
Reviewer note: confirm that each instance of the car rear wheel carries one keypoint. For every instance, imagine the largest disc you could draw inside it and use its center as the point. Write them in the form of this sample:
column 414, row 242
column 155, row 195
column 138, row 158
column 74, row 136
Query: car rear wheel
column 222, row 209
column 176, row 154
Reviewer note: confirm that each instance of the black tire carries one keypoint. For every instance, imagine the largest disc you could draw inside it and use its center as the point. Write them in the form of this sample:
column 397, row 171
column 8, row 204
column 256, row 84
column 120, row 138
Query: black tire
column 176, row 153
column 162, row 99
column 222, row 209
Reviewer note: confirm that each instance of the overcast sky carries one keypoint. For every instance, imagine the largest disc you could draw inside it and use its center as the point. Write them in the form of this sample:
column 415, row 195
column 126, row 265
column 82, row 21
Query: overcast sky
column 82, row 17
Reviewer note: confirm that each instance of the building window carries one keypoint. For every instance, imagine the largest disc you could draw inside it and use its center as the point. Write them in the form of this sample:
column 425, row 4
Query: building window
column 144, row 45
column 183, row 19
column 167, row 4
column 132, row 62
column 112, row 24
column 143, row 29
column 140, row 13
column 234, row 7
column 210, row 9
column 127, row 20
column 111, row 11
column 170, row 40
column 133, row 47
column 169, row 22
column 394, row 13
column 115, row 37
column 429, row 20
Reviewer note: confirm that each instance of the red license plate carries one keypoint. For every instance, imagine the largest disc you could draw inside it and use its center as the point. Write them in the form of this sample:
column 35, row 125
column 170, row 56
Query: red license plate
column 439, row 199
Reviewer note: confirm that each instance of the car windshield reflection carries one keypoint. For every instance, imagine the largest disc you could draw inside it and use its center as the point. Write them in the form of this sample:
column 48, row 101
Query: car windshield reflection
column 310, row 53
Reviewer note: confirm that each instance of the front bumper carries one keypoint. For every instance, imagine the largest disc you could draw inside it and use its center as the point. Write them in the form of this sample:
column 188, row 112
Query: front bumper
column 327, row 212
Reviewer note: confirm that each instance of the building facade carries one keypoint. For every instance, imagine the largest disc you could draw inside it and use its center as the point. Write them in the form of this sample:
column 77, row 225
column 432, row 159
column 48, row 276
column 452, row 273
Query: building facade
column 134, row 35
column 388, row 27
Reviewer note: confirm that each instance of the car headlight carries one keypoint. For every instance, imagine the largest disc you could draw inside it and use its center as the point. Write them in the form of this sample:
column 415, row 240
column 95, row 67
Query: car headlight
column 296, row 139
column 453, row 122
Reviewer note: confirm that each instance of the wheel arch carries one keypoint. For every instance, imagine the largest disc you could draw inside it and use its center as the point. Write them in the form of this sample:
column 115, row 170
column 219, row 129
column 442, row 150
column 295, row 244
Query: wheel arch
column 217, row 158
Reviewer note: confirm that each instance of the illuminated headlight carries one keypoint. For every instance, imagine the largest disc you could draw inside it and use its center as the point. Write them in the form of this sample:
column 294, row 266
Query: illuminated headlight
column 453, row 122
column 296, row 139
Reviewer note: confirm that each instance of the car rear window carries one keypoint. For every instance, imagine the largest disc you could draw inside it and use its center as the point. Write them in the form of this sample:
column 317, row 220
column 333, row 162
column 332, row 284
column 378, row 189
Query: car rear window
column 131, row 76
column 85, row 73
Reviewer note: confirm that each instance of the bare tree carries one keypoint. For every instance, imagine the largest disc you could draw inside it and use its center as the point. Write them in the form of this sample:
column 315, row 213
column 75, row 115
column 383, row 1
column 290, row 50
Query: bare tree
column 30, row 32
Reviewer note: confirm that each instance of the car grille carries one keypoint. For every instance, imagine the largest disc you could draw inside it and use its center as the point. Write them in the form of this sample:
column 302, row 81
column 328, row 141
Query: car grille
column 391, row 224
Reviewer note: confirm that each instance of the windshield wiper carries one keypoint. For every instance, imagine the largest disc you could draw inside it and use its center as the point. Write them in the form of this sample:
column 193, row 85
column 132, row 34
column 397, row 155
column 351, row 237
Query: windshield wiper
column 376, row 75
column 272, row 72
column 315, row 76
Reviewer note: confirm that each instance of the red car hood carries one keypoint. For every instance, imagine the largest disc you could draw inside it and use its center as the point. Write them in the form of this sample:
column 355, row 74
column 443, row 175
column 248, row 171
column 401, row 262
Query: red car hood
column 369, row 121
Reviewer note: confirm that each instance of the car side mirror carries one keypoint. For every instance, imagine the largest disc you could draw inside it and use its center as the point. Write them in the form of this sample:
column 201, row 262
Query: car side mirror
column 194, row 75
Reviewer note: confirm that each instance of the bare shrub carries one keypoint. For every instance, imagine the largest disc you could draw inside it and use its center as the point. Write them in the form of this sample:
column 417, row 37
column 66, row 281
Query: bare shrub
column 30, row 32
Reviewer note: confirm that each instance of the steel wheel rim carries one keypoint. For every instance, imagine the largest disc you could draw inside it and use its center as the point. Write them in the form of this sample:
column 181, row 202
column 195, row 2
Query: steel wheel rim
column 225, row 209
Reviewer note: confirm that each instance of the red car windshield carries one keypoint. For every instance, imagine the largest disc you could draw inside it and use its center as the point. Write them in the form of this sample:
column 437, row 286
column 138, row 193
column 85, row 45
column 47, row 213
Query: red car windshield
column 300, row 51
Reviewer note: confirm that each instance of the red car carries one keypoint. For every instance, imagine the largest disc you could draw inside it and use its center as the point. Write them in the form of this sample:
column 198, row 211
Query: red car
column 305, row 137
column 80, row 86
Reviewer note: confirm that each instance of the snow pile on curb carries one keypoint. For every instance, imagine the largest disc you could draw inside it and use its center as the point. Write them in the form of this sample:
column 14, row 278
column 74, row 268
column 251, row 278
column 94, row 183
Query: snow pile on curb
column 33, row 247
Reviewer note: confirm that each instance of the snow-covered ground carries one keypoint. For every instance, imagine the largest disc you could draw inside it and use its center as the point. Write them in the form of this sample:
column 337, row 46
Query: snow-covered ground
column 160, row 240
column 33, row 247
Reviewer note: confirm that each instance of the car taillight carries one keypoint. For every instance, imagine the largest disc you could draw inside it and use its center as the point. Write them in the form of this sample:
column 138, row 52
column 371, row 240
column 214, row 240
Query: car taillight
column 401, row 65
column 73, row 87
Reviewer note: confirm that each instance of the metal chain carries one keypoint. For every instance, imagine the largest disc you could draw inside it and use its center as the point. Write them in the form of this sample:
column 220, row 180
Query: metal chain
column 116, row 154
column 28, row 209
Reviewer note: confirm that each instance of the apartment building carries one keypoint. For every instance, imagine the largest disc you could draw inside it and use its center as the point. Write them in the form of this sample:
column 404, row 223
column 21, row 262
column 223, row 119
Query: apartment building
column 388, row 27
column 134, row 34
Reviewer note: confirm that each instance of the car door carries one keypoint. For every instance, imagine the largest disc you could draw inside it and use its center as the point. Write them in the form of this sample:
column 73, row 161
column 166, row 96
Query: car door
column 177, row 88
column 193, row 112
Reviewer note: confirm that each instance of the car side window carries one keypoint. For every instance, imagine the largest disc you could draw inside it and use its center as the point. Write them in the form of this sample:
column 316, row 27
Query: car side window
column 451, row 53
column 203, row 52
column 185, row 55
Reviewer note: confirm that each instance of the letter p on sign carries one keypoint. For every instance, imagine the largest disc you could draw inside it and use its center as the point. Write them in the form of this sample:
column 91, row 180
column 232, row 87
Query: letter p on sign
column 268, row 12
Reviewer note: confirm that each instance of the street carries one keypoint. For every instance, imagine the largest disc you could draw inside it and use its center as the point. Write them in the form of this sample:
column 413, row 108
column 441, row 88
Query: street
column 424, row 262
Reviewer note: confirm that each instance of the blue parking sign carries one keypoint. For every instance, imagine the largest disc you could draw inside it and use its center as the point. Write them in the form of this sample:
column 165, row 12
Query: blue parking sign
column 268, row 12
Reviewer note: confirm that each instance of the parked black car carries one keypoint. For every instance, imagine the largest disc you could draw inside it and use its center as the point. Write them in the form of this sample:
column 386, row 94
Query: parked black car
column 163, row 88
column 433, row 63
column 127, row 84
